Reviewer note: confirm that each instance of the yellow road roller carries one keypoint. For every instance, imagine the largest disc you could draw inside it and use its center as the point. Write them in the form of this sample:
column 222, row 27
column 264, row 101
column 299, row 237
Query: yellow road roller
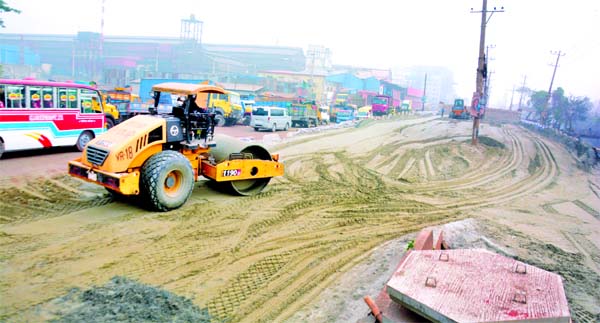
column 159, row 156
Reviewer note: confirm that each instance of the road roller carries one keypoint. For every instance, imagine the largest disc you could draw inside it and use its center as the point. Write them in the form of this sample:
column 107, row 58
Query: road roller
column 158, row 157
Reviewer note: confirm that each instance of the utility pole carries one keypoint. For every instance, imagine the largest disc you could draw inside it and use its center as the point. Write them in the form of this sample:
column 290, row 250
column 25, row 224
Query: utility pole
column 424, row 92
column 545, row 111
column 481, row 72
column 488, row 77
column 486, row 88
column 522, row 90
column 511, row 98
column 101, row 49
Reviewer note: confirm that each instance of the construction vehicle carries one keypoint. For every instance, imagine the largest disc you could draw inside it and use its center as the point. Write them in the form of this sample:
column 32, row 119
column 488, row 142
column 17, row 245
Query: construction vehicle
column 459, row 110
column 158, row 157
column 111, row 113
column 226, row 106
column 406, row 107
column 120, row 105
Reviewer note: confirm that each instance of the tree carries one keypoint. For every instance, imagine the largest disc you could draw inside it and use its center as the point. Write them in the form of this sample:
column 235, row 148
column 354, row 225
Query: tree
column 5, row 8
column 537, row 100
column 577, row 109
column 558, row 108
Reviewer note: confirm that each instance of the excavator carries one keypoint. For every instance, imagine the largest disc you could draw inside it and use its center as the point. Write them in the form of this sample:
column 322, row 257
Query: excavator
column 159, row 157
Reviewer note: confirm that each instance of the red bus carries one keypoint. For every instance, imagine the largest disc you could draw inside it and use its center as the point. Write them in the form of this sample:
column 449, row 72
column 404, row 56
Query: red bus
column 42, row 114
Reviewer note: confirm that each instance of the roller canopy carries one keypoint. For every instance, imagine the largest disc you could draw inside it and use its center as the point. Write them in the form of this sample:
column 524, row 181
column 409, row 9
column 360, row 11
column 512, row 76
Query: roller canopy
column 187, row 89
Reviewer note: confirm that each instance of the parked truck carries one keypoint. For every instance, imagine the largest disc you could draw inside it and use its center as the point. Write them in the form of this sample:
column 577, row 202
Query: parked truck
column 304, row 115
column 342, row 112
column 381, row 105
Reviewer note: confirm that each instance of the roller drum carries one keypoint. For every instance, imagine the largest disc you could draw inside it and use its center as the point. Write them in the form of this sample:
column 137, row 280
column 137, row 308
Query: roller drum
column 226, row 146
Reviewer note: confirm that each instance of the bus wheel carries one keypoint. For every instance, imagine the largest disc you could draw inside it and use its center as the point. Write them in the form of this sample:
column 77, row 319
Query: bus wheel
column 167, row 180
column 219, row 120
column 1, row 148
column 83, row 139
column 109, row 123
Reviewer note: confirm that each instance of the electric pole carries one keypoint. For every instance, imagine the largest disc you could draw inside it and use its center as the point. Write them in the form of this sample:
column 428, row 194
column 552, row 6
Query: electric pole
column 424, row 92
column 488, row 78
column 486, row 88
column 476, row 105
column 522, row 90
column 545, row 111
column 511, row 98
column 101, row 45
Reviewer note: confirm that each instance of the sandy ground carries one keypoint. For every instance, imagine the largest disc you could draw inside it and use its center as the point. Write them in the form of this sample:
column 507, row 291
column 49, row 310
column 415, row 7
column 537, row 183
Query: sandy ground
column 327, row 233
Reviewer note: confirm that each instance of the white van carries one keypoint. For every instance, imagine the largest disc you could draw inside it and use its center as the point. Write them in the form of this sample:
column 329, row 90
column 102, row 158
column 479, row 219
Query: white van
column 270, row 118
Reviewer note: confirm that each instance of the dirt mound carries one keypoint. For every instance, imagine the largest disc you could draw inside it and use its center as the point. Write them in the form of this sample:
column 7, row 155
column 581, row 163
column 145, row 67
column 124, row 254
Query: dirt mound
column 265, row 257
column 126, row 300
column 491, row 142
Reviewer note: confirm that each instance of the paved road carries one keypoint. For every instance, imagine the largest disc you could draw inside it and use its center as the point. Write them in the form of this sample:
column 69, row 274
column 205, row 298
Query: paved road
column 16, row 167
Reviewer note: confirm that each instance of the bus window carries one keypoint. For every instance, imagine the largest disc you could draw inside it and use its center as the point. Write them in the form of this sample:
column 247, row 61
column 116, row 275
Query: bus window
column 67, row 98
column 89, row 102
column 47, row 97
column 15, row 96
column 35, row 96
column 2, row 97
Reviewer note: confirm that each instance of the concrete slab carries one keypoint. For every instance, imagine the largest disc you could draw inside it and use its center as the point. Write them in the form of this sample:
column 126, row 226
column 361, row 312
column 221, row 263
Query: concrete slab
column 439, row 244
column 476, row 285
column 424, row 240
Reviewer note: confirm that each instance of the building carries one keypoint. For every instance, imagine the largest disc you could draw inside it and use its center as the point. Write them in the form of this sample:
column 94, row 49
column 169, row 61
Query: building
column 302, row 84
column 118, row 60
column 439, row 87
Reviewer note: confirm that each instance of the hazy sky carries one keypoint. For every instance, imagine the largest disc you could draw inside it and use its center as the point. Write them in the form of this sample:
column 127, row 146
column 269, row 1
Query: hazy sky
column 374, row 33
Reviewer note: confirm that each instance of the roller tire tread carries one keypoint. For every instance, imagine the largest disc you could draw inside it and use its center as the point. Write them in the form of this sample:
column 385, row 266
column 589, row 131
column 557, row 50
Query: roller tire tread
column 151, row 172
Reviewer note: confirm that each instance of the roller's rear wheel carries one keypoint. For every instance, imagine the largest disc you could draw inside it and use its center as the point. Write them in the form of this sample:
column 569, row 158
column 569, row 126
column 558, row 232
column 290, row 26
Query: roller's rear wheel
column 167, row 181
